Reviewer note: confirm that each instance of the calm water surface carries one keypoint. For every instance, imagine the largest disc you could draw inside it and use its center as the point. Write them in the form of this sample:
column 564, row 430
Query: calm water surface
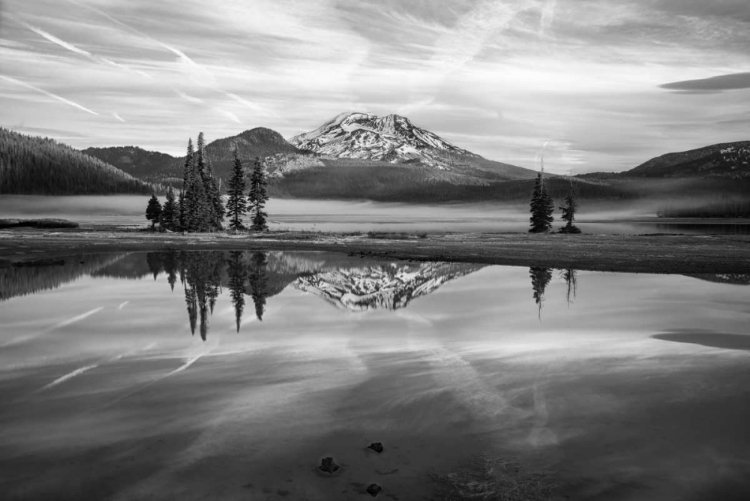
column 229, row 375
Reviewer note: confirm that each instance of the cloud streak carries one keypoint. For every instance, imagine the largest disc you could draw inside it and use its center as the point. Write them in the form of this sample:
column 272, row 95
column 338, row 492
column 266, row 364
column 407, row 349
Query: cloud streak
column 49, row 94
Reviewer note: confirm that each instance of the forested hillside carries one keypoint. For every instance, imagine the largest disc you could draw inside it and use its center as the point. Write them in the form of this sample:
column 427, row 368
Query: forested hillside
column 41, row 166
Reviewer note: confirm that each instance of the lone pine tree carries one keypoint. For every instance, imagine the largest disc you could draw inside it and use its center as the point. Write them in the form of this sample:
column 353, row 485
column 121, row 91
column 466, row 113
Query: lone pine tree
column 542, row 206
column 569, row 209
column 153, row 210
column 169, row 219
column 236, row 203
column 258, row 197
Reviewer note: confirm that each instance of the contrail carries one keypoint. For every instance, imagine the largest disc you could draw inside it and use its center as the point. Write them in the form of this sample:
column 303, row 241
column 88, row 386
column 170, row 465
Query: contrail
column 181, row 55
column 122, row 305
column 70, row 375
column 55, row 40
column 64, row 323
column 47, row 93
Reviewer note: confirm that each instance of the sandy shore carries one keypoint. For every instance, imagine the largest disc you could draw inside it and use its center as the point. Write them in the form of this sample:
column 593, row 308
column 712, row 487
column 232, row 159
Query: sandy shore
column 626, row 253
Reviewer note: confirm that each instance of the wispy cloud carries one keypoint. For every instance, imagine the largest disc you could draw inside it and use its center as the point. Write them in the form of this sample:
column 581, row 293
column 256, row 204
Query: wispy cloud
column 231, row 116
column 189, row 98
column 47, row 93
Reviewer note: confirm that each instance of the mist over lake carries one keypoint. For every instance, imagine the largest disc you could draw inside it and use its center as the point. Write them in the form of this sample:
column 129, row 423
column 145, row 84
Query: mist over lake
column 364, row 216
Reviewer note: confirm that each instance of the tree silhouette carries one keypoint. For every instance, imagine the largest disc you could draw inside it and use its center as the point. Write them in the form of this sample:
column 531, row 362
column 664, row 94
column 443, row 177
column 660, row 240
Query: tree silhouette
column 258, row 197
column 237, row 276
column 169, row 219
column 153, row 210
column 258, row 280
column 236, row 203
column 542, row 206
column 540, row 278
column 569, row 209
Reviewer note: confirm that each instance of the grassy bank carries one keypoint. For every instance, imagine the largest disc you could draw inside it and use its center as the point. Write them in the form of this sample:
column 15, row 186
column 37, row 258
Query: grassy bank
column 627, row 253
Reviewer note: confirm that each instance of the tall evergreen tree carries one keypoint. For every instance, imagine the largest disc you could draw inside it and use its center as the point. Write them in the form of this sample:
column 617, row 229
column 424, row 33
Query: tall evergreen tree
column 542, row 206
column 214, row 198
column 170, row 212
column 153, row 210
column 569, row 209
column 236, row 203
column 189, row 204
column 204, row 187
column 258, row 197
column 181, row 224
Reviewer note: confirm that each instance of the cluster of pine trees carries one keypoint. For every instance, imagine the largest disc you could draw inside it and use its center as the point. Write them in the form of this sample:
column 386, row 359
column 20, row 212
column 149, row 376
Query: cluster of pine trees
column 41, row 166
column 200, row 208
column 542, row 207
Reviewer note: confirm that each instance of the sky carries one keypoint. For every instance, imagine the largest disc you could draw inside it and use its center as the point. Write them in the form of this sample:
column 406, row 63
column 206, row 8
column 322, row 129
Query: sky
column 590, row 85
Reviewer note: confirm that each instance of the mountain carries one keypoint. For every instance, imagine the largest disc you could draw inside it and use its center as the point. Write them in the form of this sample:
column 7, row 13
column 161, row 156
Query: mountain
column 391, row 286
column 41, row 166
column 394, row 139
column 725, row 160
column 260, row 141
column 135, row 161
column 730, row 160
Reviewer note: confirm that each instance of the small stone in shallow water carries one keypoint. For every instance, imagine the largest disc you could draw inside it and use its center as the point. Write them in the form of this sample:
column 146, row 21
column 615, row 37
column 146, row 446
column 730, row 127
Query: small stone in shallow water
column 376, row 446
column 327, row 465
column 374, row 489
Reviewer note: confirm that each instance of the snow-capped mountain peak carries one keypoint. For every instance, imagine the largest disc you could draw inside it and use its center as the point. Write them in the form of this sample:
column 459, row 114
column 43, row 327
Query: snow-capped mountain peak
column 391, row 138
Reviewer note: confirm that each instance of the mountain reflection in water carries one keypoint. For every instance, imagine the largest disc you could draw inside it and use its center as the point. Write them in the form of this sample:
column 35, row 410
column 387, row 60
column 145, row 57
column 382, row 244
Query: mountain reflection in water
column 615, row 384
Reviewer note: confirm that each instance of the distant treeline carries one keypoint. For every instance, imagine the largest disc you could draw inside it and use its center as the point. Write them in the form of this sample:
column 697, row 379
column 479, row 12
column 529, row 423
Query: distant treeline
column 41, row 166
column 387, row 183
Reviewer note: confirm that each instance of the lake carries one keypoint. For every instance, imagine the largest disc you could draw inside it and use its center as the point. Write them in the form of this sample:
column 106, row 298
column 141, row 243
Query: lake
column 231, row 375
column 363, row 216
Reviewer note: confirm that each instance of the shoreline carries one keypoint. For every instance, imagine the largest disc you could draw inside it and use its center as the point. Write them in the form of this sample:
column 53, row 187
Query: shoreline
column 662, row 253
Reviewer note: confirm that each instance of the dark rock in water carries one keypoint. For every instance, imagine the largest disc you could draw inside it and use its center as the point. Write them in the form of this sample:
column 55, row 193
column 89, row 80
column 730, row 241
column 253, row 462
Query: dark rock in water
column 374, row 489
column 376, row 446
column 327, row 465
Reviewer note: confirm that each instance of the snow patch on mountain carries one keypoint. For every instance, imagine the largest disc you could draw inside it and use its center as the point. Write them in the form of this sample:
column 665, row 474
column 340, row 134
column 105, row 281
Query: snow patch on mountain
column 392, row 138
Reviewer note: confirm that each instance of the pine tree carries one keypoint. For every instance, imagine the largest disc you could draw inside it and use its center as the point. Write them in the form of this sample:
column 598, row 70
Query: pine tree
column 205, row 188
column 153, row 210
column 258, row 197
column 214, row 198
column 181, row 224
column 188, row 205
column 542, row 206
column 569, row 208
column 170, row 213
column 236, row 204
